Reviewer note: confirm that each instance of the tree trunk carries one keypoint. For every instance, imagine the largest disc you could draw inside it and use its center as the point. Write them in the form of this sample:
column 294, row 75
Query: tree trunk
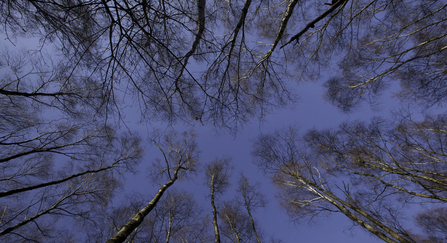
column 130, row 226
column 253, row 225
column 216, row 228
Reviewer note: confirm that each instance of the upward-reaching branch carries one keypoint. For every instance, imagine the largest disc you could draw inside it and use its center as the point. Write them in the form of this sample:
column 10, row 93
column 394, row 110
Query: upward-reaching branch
column 313, row 22
column 201, row 4
column 217, row 180
column 133, row 223
column 180, row 155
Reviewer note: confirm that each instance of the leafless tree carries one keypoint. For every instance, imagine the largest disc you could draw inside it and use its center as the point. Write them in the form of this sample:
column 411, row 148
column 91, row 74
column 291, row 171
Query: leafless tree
column 180, row 156
column 217, row 174
column 62, row 169
column 180, row 214
column 405, row 42
column 407, row 156
column 369, row 172
column 50, row 85
column 148, row 48
column 236, row 223
column 56, row 161
column 252, row 198
column 311, row 184
column 196, row 232
column 109, row 220
column 176, row 218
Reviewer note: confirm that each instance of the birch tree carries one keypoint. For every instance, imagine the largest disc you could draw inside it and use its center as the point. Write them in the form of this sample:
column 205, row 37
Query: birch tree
column 217, row 174
column 176, row 218
column 56, row 162
column 313, row 180
column 252, row 198
column 180, row 156
column 236, row 225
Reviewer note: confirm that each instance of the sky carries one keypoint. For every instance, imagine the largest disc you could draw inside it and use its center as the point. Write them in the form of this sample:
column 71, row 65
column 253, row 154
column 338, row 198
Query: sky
column 311, row 111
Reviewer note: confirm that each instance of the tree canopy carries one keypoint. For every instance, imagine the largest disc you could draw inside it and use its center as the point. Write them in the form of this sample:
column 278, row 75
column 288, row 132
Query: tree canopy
column 66, row 145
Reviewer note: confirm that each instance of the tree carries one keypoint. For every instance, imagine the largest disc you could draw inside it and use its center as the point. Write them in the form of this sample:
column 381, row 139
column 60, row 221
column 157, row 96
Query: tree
column 130, row 42
column 180, row 157
column 142, row 51
column 196, row 232
column 252, row 198
column 181, row 218
column 374, row 43
column 54, row 168
column 99, row 231
column 367, row 172
column 407, row 157
column 236, row 224
column 176, row 218
column 416, row 54
column 49, row 85
column 217, row 174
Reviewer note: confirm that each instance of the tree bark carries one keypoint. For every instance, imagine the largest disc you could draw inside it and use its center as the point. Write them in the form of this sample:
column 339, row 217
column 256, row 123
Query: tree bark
column 130, row 226
column 253, row 225
column 216, row 227
column 233, row 228
column 341, row 205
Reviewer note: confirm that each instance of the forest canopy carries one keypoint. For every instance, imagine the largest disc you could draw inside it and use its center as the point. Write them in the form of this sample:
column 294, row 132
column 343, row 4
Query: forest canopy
column 66, row 146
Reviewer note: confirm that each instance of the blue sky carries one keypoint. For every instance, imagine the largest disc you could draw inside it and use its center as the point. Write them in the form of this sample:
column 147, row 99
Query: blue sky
column 311, row 111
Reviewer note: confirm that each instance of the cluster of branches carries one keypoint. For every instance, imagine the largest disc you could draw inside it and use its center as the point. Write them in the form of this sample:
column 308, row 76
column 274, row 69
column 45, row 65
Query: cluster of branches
column 174, row 215
column 143, row 48
column 56, row 160
column 181, row 158
column 235, row 224
column 368, row 172
column 177, row 218
column 381, row 42
column 148, row 49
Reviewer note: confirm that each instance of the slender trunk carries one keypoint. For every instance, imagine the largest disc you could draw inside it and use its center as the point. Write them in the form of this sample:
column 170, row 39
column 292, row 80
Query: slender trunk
column 315, row 21
column 381, row 225
column 16, row 93
column 34, row 151
column 233, row 228
column 343, row 207
column 216, row 228
column 130, row 226
column 168, row 234
column 253, row 225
